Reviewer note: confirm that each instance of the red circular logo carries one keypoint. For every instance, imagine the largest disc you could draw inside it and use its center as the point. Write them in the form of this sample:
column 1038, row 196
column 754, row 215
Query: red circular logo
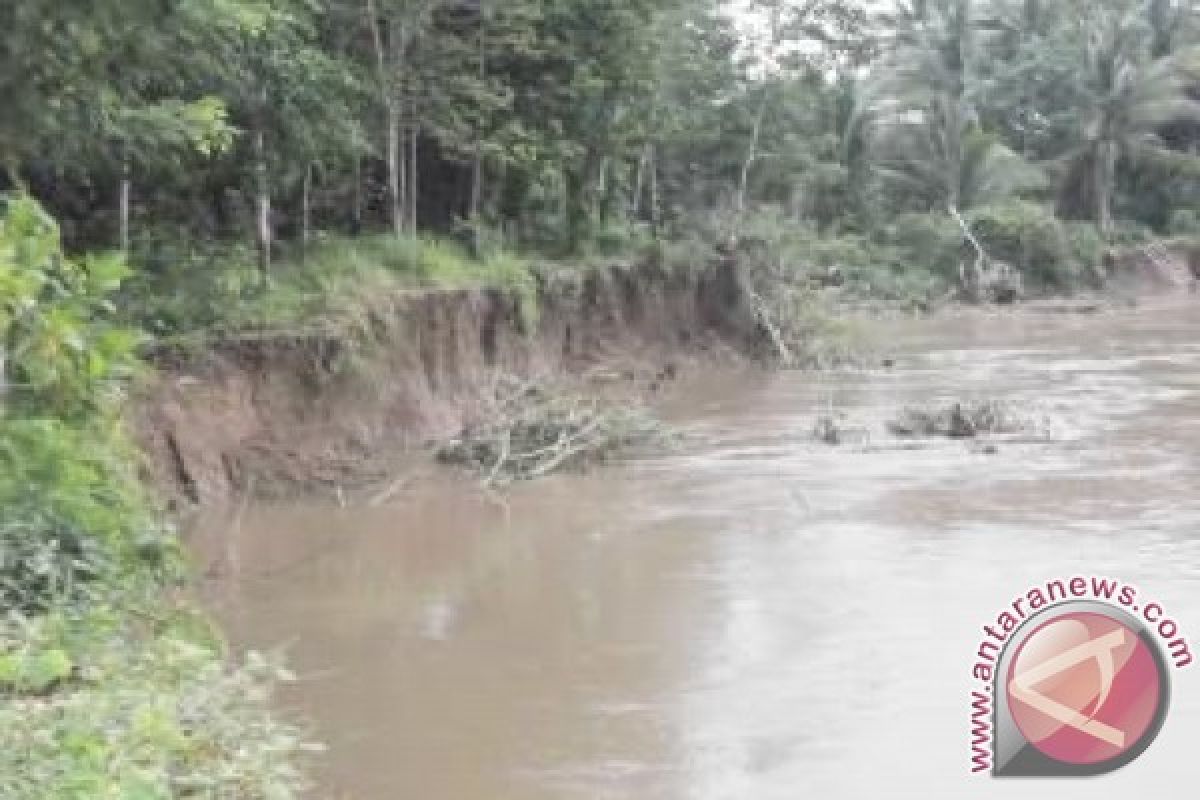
column 1084, row 688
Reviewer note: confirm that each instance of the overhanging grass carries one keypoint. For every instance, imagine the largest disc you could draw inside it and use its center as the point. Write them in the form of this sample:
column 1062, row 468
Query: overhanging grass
column 329, row 283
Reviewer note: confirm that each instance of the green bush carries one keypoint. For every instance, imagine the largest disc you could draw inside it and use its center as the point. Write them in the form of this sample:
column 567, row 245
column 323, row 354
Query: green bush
column 73, row 509
column 925, row 242
column 795, row 249
column 906, row 265
column 1029, row 237
column 682, row 254
column 618, row 239
column 1087, row 248
column 1184, row 222
column 107, row 690
column 64, row 355
column 91, row 709
column 74, row 514
column 1128, row 232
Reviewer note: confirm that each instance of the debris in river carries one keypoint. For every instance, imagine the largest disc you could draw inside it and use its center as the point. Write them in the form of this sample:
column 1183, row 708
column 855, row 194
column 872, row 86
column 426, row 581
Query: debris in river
column 826, row 430
column 958, row 421
column 534, row 431
column 833, row 430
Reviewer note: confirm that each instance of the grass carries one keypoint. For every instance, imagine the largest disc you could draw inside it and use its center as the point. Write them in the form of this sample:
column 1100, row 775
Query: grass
column 331, row 283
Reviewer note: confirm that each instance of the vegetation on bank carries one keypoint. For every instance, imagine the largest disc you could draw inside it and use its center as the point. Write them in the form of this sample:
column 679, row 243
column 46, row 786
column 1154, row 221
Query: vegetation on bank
column 110, row 685
column 213, row 139
column 268, row 165
column 330, row 284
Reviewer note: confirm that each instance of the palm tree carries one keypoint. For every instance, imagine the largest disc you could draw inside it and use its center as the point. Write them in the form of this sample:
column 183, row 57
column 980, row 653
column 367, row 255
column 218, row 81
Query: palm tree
column 1126, row 97
column 919, row 106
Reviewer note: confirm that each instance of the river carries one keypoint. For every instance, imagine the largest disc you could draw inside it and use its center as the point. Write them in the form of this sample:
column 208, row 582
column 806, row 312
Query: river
column 754, row 614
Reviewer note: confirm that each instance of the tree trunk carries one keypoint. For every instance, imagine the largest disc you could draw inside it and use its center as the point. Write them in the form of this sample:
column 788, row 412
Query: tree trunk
column 392, row 118
column 605, row 187
column 414, row 136
column 356, row 219
column 263, row 204
column 654, row 204
column 394, row 168
column 476, row 183
column 579, row 205
column 639, row 183
column 477, row 163
column 1103, row 168
column 306, row 209
column 739, row 204
column 123, row 205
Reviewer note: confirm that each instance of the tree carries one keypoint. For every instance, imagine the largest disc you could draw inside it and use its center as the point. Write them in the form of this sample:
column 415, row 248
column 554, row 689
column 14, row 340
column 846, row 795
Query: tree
column 109, row 85
column 1126, row 96
column 920, row 99
column 798, row 38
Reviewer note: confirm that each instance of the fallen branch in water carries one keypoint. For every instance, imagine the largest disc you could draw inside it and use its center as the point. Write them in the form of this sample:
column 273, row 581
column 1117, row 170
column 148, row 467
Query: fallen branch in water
column 534, row 432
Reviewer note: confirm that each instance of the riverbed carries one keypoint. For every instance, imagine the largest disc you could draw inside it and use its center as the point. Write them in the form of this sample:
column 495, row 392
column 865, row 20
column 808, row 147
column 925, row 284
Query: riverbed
column 753, row 614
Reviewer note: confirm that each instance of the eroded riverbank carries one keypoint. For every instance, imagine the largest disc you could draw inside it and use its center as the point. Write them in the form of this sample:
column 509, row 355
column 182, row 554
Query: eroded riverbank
column 321, row 411
column 754, row 615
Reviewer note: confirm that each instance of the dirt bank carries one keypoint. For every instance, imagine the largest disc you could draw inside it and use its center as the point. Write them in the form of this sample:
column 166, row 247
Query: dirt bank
column 334, row 408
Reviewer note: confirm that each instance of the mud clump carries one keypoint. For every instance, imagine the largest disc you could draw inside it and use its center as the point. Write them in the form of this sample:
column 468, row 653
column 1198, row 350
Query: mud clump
column 534, row 431
column 962, row 420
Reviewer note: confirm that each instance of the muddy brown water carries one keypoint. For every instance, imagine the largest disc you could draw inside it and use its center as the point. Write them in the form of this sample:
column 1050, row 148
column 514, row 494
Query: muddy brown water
column 754, row 615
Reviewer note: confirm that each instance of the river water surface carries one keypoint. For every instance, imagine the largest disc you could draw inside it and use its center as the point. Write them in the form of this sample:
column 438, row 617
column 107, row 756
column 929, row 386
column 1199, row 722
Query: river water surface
column 754, row 615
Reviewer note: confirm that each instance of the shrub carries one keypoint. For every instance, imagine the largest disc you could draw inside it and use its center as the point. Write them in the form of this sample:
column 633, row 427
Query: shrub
column 925, row 242
column 105, row 690
column 794, row 249
column 74, row 511
column 1184, row 222
column 1087, row 247
column 75, row 514
column 1029, row 237
column 1130, row 232
column 90, row 709
column 64, row 356
column 618, row 238
column 682, row 254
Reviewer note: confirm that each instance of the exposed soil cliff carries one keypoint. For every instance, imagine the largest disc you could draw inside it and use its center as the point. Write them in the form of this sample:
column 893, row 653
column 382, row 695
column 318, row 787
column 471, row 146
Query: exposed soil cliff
column 331, row 407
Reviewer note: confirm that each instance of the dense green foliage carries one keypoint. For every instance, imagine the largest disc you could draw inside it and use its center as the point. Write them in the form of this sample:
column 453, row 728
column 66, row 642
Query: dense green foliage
column 570, row 126
column 109, row 687
column 73, row 507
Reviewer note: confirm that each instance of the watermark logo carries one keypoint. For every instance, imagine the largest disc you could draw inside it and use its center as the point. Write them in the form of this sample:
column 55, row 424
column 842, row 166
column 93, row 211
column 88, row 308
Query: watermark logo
column 1073, row 680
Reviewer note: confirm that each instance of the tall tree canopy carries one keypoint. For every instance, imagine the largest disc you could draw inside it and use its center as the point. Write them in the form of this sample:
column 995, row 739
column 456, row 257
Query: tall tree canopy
column 552, row 119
